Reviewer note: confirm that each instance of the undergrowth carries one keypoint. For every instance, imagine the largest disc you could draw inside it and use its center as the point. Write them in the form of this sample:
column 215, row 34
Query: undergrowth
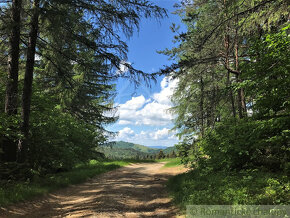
column 201, row 187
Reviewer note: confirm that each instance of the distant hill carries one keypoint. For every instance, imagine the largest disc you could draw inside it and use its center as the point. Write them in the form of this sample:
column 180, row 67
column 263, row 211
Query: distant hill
column 158, row 147
column 169, row 150
column 123, row 150
column 140, row 148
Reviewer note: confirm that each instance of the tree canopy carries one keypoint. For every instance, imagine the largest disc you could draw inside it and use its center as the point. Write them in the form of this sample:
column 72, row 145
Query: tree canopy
column 61, row 58
column 232, row 98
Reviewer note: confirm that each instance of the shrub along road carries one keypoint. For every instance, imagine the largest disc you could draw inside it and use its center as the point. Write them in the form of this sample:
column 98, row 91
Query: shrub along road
column 137, row 190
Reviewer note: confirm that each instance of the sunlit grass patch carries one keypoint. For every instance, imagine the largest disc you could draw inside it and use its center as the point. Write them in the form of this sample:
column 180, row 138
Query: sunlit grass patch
column 229, row 188
column 172, row 162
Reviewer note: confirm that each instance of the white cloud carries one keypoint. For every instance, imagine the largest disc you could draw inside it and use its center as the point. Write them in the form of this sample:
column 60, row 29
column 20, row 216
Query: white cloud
column 164, row 83
column 122, row 67
column 125, row 122
column 161, row 134
column 154, row 113
column 167, row 88
column 154, row 137
column 173, row 137
column 126, row 133
column 133, row 104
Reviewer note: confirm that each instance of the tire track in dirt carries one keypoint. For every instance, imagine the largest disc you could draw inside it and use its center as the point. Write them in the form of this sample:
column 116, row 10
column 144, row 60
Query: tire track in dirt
column 137, row 190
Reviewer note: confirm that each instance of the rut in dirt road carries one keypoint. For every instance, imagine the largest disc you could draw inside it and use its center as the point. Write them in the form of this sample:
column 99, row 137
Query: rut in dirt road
column 137, row 190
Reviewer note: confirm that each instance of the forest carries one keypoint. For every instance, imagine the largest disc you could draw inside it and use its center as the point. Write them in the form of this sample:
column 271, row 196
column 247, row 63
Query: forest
column 124, row 150
column 232, row 102
column 58, row 64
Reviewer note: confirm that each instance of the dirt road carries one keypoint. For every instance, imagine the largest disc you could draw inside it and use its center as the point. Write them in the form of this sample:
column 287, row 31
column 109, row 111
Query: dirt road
column 137, row 190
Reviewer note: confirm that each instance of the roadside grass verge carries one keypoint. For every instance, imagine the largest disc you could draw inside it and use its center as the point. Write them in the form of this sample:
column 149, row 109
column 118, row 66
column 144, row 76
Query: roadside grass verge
column 19, row 191
column 171, row 162
column 198, row 187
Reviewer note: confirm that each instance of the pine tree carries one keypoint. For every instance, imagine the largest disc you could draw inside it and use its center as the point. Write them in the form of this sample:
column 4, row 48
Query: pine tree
column 79, row 50
column 13, row 47
column 160, row 155
column 210, row 59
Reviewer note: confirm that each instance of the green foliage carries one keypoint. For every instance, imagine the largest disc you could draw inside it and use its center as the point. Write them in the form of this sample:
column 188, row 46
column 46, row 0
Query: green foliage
column 172, row 154
column 267, row 77
column 8, row 125
column 58, row 139
column 160, row 155
column 116, row 153
column 126, row 150
column 248, row 144
column 61, row 142
column 225, row 69
column 233, row 60
column 79, row 50
column 202, row 187
column 136, row 147
column 261, row 140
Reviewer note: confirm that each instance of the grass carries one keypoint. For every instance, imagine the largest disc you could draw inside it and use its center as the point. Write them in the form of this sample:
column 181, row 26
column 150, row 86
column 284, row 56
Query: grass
column 223, row 188
column 172, row 162
column 19, row 191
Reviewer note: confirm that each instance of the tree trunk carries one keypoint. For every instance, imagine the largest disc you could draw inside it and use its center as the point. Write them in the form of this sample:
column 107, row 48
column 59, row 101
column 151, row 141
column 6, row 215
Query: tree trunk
column 212, row 100
column 11, row 98
column 241, row 100
column 27, row 89
column 201, row 106
column 227, row 63
column 13, row 60
column 241, row 95
column 231, row 95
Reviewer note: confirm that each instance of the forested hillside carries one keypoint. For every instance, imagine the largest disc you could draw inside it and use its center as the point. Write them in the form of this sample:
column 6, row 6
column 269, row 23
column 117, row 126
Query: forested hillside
column 127, row 150
column 233, row 101
column 58, row 67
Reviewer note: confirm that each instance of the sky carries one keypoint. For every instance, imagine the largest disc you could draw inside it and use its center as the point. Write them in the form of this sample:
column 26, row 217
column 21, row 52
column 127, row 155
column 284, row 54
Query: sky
column 143, row 112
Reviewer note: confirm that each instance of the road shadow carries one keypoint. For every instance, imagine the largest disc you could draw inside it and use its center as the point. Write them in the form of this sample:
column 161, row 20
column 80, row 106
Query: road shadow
column 134, row 191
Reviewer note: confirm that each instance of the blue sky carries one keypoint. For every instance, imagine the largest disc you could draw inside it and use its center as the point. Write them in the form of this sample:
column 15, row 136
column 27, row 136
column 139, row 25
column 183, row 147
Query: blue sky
column 143, row 115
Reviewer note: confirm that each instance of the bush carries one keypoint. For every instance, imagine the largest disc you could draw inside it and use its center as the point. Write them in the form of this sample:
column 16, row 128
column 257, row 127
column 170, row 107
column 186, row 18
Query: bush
column 9, row 136
column 59, row 143
column 59, row 140
column 248, row 144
